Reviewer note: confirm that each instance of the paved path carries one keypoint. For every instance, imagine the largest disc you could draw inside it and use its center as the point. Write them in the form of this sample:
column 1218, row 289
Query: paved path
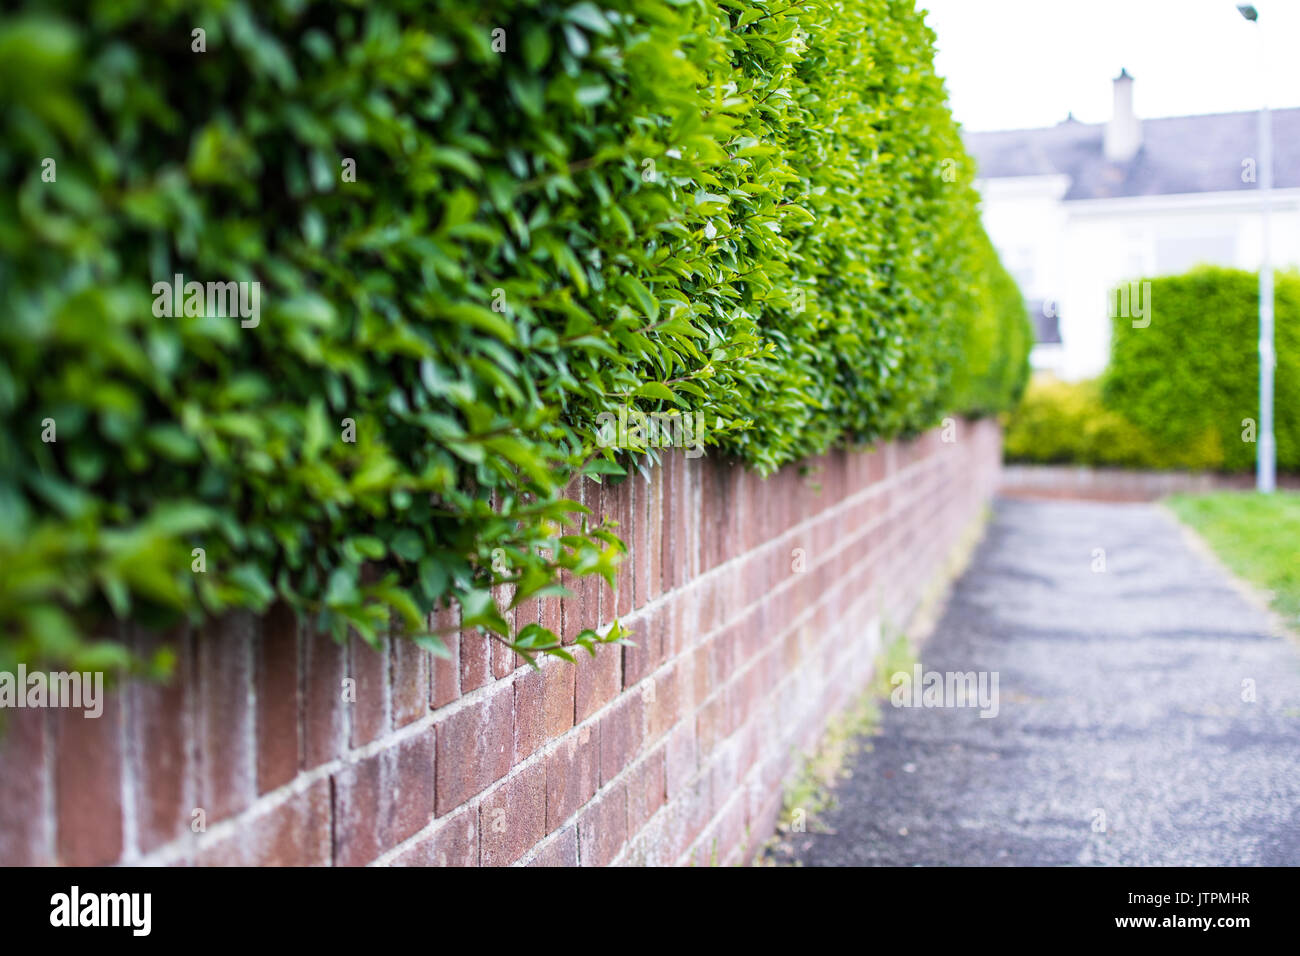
column 1119, row 692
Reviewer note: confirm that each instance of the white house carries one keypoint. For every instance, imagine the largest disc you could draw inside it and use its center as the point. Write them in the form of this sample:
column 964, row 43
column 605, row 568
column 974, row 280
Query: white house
column 1077, row 208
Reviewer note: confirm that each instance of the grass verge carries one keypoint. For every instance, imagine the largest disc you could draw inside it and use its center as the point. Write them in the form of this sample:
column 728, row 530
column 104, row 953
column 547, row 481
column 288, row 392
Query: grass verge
column 1256, row 536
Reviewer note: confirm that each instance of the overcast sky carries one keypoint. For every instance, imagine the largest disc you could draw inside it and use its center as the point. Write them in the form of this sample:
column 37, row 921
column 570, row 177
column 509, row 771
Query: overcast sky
column 1012, row 64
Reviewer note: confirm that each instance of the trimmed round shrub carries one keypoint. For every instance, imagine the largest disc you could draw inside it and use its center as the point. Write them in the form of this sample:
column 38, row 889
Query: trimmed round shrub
column 1190, row 380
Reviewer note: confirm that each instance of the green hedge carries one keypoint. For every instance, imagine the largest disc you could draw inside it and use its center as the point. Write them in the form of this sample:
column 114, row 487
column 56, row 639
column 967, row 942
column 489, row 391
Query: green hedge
column 998, row 336
column 1192, row 377
column 1062, row 423
column 1176, row 392
column 763, row 214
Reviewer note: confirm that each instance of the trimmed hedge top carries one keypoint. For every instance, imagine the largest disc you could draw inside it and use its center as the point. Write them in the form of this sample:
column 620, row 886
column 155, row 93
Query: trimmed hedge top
column 473, row 229
column 1190, row 380
column 1182, row 387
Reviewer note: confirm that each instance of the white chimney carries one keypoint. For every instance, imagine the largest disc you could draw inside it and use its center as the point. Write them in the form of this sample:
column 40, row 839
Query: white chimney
column 1124, row 131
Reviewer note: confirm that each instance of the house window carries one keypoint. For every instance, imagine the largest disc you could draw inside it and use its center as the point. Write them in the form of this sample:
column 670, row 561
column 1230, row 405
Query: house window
column 1045, row 314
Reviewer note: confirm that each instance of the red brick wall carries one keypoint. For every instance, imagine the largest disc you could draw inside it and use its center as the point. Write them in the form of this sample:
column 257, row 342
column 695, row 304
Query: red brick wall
column 667, row 753
column 1120, row 484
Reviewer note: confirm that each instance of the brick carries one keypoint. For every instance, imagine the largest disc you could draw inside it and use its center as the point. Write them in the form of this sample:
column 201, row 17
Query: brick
column 682, row 517
column 528, row 612
column 559, row 679
column 623, row 513
column 711, row 723
column 504, row 660
column 646, row 789
column 639, row 557
column 592, row 587
column 513, row 816
column 747, row 696
column 368, row 666
column 324, row 720
column 699, row 663
column 762, row 823
column 662, row 703
column 725, row 771
column 88, row 784
column 697, row 807
column 693, row 519
column 754, row 576
column 602, row 827
column 411, row 668
column 731, row 503
column 159, row 758
column 681, row 759
column 708, row 603
column 293, row 832
column 570, row 607
column 278, row 701
column 674, row 634
column 709, row 517
column 723, row 662
column 670, row 511
column 724, row 839
column 598, row 600
column 571, row 611
column 227, row 762
column 445, row 679
column 550, row 614
column 649, row 846
column 621, row 732
column 475, row 660
column 452, row 842
column 561, row 850
column 640, row 660
column 26, row 829
column 655, row 535
column 475, row 748
column 530, row 713
column 597, row 681
column 383, row 799
column 749, row 487
column 572, row 769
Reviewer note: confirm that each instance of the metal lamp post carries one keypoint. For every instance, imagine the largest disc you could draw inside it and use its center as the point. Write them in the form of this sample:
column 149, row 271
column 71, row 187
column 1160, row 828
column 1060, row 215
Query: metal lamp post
column 1265, row 459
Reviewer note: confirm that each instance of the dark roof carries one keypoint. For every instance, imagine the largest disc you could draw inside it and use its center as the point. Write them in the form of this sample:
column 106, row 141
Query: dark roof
column 1179, row 154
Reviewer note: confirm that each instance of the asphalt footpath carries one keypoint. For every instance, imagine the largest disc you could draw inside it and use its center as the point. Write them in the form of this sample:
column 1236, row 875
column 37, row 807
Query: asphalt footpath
column 1146, row 712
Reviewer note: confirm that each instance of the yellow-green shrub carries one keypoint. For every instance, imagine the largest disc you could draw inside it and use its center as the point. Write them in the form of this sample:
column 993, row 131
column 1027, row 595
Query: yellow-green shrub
column 1067, row 423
